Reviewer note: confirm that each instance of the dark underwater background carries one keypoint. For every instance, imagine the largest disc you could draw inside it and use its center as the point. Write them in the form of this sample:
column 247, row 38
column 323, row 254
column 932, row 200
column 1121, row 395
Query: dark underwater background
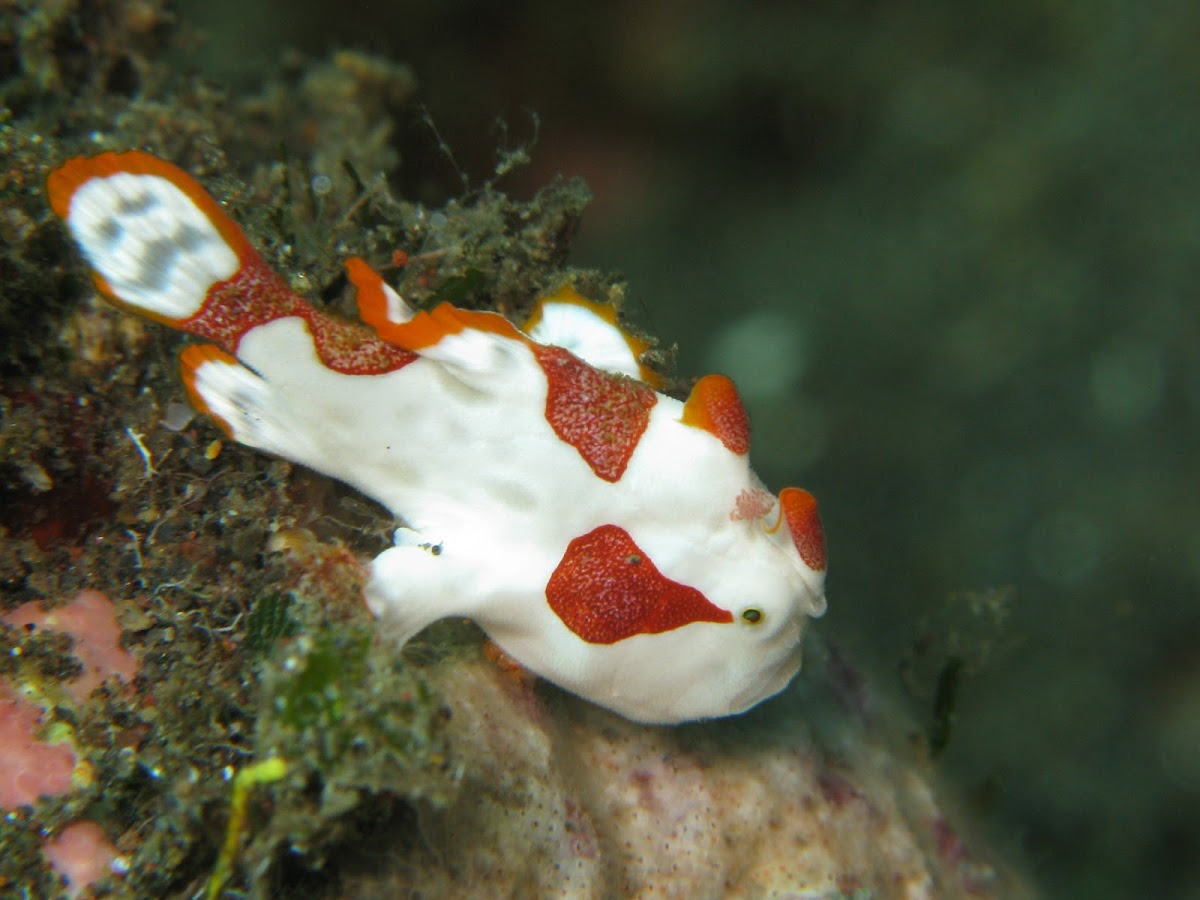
column 949, row 252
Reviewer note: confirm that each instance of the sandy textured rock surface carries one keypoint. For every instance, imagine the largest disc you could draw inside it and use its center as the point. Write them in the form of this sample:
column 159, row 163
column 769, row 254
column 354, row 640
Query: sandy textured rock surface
column 562, row 799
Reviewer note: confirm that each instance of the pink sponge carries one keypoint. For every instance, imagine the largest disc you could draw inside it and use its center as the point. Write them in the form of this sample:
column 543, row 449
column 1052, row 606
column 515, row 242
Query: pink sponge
column 30, row 768
column 81, row 854
column 92, row 621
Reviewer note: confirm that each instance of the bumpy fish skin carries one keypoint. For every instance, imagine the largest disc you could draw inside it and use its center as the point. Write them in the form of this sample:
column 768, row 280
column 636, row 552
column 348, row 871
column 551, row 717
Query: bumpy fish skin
column 612, row 539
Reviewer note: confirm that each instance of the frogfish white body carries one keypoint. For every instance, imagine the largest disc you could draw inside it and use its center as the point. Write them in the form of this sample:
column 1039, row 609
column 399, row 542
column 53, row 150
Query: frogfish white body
column 608, row 537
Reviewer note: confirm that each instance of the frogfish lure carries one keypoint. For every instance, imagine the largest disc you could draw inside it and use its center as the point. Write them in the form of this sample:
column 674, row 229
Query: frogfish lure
column 610, row 538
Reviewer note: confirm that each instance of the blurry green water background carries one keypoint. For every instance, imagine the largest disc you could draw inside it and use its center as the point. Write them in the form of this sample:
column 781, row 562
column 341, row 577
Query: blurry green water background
column 949, row 252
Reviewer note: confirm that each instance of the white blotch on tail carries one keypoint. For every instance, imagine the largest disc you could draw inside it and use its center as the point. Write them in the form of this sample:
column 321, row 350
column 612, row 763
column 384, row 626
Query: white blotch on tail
column 145, row 237
column 588, row 336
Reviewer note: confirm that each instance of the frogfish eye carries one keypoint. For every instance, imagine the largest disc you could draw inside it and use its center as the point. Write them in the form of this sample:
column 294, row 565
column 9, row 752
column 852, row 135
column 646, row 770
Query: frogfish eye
column 752, row 615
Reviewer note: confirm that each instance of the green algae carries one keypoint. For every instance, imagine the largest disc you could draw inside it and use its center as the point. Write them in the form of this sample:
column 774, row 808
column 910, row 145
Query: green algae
column 269, row 622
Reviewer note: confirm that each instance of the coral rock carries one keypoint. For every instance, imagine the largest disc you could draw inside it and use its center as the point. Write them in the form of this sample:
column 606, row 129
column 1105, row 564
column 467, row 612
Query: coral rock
column 567, row 800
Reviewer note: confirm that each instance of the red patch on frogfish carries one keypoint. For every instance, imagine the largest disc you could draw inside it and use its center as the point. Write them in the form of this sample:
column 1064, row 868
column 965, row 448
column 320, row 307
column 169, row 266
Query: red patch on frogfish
column 255, row 295
column 606, row 589
column 601, row 415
